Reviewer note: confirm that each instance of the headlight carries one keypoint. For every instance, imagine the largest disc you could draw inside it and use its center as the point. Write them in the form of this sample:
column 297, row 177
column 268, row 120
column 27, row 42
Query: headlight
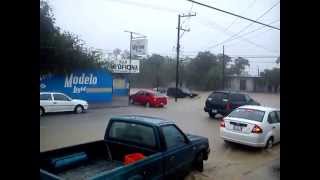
column 209, row 99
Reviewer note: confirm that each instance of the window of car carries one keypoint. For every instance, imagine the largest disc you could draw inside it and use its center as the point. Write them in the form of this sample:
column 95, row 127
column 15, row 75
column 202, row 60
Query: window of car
column 172, row 136
column 60, row 97
column 237, row 97
column 247, row 98
column 45, row 97
column 250, row 114
column 218, row 96
column 132, row 132
column 140, row 93
column 278, row 114
column 272, row 118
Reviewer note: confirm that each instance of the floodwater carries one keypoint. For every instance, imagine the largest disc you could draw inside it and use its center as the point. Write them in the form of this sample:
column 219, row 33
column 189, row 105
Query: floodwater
column 226, row 161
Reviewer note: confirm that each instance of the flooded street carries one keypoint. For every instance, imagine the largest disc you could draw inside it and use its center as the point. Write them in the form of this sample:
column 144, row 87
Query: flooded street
column 226, row 161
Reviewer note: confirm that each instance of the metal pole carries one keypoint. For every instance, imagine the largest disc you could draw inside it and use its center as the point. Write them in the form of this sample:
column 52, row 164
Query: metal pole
column 130, row 68
column 177, row 67
column 223, row 64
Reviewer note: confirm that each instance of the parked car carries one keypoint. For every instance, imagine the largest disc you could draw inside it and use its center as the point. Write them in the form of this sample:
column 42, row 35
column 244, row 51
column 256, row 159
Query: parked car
column 255, row 126
column 157, row 147
column 180, row 92
column 59, row 102
column 161, row 90
column 223, row 102
column 149, row 98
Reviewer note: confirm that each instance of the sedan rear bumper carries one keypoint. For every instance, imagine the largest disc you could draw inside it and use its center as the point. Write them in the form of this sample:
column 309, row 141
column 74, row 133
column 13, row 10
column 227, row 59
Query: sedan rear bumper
column 254, row 140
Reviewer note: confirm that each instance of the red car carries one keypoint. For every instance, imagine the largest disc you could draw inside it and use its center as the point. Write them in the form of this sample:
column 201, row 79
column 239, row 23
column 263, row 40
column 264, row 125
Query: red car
column 148, row 98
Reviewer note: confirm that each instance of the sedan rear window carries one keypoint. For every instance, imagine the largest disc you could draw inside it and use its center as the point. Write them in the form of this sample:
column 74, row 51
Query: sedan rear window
column 249, row 114
column 217, row 96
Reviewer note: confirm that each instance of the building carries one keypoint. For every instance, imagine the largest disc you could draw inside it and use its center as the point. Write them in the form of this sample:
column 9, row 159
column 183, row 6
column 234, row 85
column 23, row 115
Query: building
column 245, row 83
column 93, row 85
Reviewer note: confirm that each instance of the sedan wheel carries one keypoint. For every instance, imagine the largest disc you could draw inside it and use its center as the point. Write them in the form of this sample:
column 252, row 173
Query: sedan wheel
column 79, row 109
column 41, row 112
column 131, row 101
column 147, row 104
column 269, row 143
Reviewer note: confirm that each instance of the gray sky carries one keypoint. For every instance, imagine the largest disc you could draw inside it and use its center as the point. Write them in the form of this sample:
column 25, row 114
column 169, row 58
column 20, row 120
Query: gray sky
column 101, row 24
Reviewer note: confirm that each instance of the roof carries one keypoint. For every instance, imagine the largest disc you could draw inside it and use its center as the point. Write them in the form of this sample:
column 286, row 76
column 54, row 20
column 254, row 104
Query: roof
column 153, row 121
column 229, row 91
column 260, row 108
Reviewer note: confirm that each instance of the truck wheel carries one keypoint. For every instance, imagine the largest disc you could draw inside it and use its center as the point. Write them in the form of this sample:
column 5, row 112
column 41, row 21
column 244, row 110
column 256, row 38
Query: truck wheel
column 199, row 162
column 212, row 115
column 131, row 101
column 147, row 104
column 78, row 109
column 41, row 111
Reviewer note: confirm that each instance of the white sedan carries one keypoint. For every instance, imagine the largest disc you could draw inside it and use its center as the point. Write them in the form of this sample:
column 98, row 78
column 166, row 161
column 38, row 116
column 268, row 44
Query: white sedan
column 255, row 126
column 59, row 102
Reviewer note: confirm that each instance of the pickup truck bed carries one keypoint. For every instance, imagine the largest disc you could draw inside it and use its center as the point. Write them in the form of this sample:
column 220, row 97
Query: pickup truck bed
column 89, row 169
column 86, row 160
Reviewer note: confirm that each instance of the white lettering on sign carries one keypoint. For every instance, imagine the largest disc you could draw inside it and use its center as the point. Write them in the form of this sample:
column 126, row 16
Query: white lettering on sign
column 125, row 66
column 80, row 80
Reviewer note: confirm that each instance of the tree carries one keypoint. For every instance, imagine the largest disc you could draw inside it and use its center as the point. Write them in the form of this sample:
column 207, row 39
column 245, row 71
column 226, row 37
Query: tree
column 116, row 52
column 272, row 78
column 239, row 66
column 62, row 52
column 125, row 54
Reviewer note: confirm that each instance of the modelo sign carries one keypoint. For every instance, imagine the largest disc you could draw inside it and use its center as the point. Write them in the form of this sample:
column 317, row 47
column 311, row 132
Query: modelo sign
column 92, row 85
column 139, row 46
column 124, row 66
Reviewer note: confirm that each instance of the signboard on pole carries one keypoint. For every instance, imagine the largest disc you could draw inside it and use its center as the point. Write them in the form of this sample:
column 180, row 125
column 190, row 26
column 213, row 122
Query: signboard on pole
column 124, row 66
column 139, row 46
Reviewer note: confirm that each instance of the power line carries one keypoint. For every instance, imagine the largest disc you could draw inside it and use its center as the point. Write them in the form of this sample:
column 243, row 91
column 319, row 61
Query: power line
column 237, row 34
column 255, row 21
column 250, row 5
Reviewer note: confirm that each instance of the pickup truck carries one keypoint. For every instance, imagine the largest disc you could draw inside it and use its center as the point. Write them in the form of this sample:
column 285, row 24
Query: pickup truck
column 168, row 153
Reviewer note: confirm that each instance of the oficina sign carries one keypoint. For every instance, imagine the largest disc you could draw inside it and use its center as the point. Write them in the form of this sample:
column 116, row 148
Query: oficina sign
column 92, row 85
column 125, row 66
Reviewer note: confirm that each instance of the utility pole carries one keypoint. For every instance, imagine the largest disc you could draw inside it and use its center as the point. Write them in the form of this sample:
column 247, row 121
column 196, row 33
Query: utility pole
column 178, row 49
column 223, row 67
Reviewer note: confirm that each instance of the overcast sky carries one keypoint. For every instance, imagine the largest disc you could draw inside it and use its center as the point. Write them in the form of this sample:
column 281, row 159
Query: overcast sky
column 101, row 24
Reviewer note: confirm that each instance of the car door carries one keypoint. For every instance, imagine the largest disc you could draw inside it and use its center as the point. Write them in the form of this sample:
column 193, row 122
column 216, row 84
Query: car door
column 178, row 155
column 46, row 102
column 278, row 125
column 62, row 103
column 136, row 97
column 274, row 125
column 237, row 100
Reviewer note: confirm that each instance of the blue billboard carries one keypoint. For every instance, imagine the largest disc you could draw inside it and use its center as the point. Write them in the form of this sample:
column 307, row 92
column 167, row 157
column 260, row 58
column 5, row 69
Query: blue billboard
column 93, row 85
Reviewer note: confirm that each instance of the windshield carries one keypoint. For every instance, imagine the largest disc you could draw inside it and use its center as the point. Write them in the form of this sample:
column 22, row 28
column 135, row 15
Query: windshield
column 249, row 114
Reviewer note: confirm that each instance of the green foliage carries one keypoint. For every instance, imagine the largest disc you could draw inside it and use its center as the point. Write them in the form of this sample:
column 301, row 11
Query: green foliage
column 272, row 78
column 61, row 52
column 239, row 66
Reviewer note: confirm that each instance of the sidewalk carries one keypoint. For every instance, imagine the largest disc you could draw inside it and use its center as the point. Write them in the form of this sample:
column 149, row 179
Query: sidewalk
column 117, row 101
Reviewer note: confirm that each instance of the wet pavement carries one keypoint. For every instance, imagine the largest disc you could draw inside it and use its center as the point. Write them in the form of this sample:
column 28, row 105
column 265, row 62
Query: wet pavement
column 226, row 161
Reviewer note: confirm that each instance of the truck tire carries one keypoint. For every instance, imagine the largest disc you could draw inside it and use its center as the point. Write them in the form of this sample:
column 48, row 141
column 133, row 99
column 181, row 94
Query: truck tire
column 147, row 104
column 78, row 109
column 212, row 115
column 199, row 162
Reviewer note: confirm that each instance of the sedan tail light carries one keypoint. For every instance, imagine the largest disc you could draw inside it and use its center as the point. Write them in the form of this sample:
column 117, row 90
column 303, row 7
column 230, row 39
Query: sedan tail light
column 222, row 124
column 256, row 129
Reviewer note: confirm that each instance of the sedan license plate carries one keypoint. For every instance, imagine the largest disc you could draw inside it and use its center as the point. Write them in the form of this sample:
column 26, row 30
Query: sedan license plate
column 214, row 111
column 237, row 128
